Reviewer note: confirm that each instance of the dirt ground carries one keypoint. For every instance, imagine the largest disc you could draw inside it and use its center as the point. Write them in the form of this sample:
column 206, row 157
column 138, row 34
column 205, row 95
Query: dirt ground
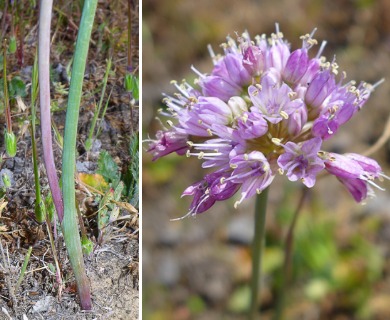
column 199, row 268
column 112, row 267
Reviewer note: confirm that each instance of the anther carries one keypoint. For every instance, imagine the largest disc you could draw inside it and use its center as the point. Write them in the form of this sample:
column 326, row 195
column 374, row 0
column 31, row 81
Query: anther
column 292, row 95
column 276, row 141
column 284, row 114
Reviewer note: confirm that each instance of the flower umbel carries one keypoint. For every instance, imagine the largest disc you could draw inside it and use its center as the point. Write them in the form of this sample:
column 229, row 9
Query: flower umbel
column 262, row 110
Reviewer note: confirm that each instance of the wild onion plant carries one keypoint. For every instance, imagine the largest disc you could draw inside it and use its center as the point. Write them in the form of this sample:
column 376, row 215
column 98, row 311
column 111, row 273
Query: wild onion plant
column 65, row 203
column 264, row 110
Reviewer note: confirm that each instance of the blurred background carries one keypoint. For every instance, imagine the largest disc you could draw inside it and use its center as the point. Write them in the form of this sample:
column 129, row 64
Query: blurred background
column 199, row 268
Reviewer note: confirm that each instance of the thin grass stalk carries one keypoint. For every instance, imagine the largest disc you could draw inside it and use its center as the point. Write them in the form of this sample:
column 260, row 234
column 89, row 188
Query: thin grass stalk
column 39, row 204
column 129, row 44
column 3, row 20
column 44, row 97
column 55, row 256
column 24, row 267
column 257, row 248
column 5, row 85
column 103, row 114
column 130, row 59
column 9, row 136
column 88, row 142
column 69, row 224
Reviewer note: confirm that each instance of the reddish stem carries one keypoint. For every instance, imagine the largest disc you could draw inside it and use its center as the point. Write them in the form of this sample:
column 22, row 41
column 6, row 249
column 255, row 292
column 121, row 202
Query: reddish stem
column 44, row 97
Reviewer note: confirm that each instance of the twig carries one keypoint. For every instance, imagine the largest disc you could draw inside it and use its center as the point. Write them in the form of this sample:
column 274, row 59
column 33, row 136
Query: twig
column 381, row 141
column 7, row 280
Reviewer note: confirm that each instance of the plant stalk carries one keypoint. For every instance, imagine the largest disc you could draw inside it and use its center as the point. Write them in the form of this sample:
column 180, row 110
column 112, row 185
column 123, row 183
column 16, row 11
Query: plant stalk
column 286, row 271
column 69, row 224
column 129, row 52
column 5, row 84
column 257, row 248
column 44, row 97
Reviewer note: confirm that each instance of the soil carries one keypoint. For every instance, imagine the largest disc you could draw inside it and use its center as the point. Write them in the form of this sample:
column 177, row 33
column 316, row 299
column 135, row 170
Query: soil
column 112, row 266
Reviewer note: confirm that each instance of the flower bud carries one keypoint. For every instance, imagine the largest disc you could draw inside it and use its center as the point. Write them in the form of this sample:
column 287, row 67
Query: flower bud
column 10, row 143
column 86, row 245
column 216, row 86
column 297, row 120
column 296, row 66
column 277, row 56
column 320, row 88
column 6, row 179
column 236, row 71
column 237, row 105
column 253, row 60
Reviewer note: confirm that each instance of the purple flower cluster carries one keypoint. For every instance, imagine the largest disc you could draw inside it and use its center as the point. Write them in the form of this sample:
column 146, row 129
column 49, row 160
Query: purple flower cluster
column 265, row 110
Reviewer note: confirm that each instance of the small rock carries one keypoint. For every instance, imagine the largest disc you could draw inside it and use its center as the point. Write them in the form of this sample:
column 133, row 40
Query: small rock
column 240, row 230
column 86, row 166
column 168, row 271
column 44, row 304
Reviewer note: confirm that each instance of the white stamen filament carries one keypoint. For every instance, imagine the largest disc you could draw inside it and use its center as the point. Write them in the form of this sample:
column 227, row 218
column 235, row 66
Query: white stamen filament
column 321, row 49
column 198, row 72
column 203, row 155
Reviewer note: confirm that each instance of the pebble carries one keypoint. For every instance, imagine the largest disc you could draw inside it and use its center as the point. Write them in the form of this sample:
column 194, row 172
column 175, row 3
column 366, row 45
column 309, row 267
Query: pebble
column 240, row 230
column 43, row 305
column 168, row 272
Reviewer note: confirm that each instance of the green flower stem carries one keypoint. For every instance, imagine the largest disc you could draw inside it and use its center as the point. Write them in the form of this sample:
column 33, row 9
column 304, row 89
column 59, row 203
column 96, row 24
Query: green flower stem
column 286, row 271
column 69, row 224
column 257, row 248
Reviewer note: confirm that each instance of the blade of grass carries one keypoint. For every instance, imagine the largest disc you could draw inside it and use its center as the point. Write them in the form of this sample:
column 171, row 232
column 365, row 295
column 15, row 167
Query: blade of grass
column 103, row 114
column 24, row 267
column 88, row 142
column 69, row 224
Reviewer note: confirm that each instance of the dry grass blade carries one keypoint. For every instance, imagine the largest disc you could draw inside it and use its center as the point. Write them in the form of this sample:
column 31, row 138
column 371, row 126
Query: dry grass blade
column 381, row 141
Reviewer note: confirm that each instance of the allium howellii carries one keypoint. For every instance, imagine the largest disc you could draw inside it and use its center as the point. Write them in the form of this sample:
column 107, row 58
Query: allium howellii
column 265, row 110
